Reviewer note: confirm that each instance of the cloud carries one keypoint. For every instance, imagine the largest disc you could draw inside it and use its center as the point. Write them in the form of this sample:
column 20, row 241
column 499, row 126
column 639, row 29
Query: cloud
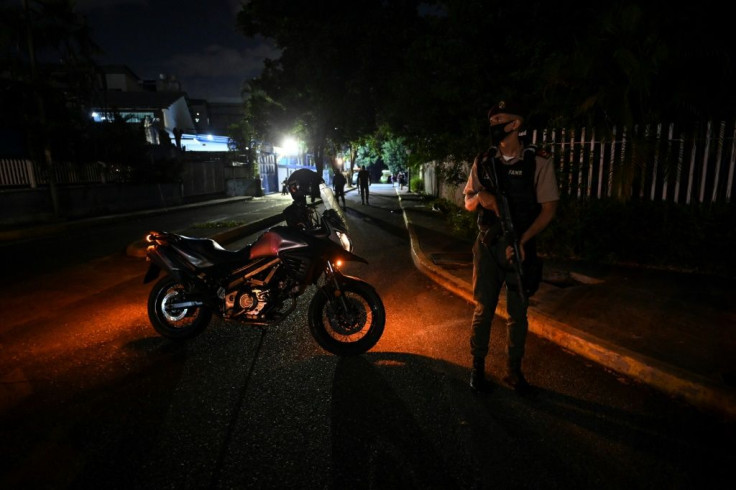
column 193, row 40
column 218, row 69
column 216, row 61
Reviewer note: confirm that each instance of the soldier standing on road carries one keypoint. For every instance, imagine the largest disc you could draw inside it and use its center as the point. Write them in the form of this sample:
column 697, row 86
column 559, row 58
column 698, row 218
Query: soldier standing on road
column 532, row 191
column 364, row 182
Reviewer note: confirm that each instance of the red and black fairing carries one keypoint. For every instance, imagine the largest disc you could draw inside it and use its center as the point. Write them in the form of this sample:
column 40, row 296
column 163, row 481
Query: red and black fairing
column 303, row 253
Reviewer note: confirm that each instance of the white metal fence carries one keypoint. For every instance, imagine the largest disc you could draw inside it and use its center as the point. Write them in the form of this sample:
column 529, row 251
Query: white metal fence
column 199, row 176
column 658, row 163
column 21, row 173
column 17, row 172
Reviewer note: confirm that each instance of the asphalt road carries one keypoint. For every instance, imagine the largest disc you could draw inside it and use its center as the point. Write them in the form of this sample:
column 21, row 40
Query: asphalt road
column 78, row 244
column 91, row 397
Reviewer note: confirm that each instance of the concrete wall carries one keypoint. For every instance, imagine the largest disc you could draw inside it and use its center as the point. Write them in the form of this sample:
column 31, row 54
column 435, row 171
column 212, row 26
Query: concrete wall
column 203, row 176
column 452, row 191
column 25, row 206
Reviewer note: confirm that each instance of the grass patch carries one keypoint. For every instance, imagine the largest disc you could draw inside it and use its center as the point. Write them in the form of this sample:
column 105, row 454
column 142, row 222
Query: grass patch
column 219, row 224
column 462, row 222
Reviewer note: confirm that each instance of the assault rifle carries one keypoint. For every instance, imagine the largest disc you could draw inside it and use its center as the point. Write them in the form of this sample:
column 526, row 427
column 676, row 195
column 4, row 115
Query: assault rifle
column 507, row 226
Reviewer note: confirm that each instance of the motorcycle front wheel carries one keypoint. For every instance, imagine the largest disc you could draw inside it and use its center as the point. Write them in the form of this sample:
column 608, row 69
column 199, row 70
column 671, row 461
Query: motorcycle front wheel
column 170, row 322
column 347, row 322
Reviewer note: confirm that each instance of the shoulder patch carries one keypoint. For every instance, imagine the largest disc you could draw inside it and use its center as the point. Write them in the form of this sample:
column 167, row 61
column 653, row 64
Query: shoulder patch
column 483, row 156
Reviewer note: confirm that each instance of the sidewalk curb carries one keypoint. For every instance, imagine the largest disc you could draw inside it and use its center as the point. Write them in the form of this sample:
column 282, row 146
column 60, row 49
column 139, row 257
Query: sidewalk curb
column 54, row 228
column 694, row 389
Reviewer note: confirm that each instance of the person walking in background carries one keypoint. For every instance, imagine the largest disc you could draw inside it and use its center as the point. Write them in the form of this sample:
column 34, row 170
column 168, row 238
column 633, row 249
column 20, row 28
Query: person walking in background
column 528, row 177
column 338, row 183
column 402, row 180
column 364, row 182
column 177, row 137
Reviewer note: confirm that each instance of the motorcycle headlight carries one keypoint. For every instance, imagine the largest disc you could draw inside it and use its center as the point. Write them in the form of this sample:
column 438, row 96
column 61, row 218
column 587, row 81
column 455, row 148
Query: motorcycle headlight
column 345, row 241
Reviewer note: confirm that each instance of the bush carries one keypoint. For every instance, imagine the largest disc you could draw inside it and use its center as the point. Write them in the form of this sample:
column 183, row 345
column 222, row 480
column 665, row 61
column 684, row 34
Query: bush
column 463, row 222
column 661, row 234
column 416, row 184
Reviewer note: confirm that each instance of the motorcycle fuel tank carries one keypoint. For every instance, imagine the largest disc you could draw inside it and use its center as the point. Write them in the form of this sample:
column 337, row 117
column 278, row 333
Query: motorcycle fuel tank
column 271, row 243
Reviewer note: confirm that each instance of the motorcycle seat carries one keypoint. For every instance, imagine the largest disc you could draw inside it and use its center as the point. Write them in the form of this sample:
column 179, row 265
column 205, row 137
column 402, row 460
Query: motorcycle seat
column 214, row 251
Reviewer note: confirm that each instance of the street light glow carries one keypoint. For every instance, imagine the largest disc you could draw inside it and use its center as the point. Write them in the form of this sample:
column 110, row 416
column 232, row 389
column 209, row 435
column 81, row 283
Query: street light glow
column 290, row 146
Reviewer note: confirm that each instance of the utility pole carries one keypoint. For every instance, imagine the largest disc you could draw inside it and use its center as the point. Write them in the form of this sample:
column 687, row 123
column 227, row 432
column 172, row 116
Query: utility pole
column 41, row 113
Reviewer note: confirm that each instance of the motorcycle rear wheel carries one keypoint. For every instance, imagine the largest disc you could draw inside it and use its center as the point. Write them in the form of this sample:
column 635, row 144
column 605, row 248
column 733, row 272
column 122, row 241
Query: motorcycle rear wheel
column 176, row 324
column 350, row 323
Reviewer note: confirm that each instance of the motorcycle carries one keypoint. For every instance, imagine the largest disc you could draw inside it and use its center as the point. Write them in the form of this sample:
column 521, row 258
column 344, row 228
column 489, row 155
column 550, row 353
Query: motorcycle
column 259, row 284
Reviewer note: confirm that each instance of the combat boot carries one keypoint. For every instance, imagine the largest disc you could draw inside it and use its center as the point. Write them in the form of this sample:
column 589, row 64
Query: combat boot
column 478, row 381
column 516, row 380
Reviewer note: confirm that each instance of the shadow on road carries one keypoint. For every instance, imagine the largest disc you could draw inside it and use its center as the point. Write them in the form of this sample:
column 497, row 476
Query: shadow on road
column 376, row 439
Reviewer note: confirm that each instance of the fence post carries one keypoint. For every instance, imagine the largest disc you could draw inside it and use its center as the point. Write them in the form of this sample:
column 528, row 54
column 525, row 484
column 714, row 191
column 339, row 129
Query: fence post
column 622, row 163
column 601, row 163
column 719, row 155
column 705, row 162
column 643, row 170
column 609, row 168
column 591, row 167
column 668, row 155
column 571, row 161
column 31, row 174
column 691, row 173
column 581, row 160
column 731, row 166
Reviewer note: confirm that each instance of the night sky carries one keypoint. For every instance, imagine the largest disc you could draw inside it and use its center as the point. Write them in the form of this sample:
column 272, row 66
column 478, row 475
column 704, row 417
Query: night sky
column 194, row 40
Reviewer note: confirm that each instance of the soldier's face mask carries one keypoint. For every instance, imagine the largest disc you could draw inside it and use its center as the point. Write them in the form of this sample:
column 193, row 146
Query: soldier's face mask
column 498, row 132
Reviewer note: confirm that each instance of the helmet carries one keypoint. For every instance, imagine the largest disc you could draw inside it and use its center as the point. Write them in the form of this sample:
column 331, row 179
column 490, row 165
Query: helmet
column 303, row 183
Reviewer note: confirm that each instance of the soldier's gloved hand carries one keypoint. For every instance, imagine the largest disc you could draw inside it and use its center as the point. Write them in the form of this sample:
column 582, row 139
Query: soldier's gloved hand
column 510, row 253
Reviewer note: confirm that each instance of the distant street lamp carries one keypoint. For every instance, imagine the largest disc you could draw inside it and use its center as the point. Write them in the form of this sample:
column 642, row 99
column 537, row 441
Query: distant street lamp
column 290, row 146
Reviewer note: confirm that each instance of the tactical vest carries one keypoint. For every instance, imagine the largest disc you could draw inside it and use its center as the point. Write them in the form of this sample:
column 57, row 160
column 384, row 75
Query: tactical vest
column 518, row 181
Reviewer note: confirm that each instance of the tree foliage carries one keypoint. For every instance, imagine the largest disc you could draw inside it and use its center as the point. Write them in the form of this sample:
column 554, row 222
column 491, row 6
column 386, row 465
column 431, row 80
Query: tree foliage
column 394, row 154
column 336, row 58
column 429, row 70
column 45, row 45
column 49, row 82
column 366, row 155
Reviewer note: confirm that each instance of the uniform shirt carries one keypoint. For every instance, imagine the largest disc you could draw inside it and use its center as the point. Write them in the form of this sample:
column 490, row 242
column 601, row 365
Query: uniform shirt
column 364, row 178
column 545, row 182
column 339, row 181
